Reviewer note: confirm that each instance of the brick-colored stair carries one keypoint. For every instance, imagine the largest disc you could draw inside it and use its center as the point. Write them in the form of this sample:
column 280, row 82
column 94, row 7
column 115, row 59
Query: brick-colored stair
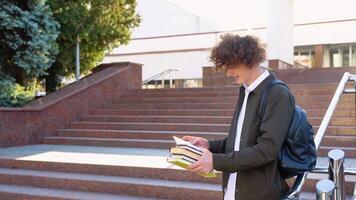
column 148, row 119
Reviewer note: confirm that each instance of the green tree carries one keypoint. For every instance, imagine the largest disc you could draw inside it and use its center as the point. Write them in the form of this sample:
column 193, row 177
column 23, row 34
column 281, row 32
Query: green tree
column 100, row 25
column 12, row 94
column 28, row 47
column 28, row 34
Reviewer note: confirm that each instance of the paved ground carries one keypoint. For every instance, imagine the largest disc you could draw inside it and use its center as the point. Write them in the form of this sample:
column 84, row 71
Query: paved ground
column 140, row 157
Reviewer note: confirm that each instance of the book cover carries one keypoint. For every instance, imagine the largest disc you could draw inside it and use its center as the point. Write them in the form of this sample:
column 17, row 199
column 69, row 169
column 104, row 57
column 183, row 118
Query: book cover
column 185, row 154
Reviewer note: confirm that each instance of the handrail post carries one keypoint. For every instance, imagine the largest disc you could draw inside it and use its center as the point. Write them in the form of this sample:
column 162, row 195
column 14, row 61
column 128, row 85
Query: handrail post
column 325, row 190
column 336, row 172
column 162, row 83
column 170, row 79
column 298, row 184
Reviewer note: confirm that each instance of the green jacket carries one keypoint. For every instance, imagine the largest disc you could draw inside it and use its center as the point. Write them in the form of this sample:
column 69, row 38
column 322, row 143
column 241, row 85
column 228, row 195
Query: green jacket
column 256, row 163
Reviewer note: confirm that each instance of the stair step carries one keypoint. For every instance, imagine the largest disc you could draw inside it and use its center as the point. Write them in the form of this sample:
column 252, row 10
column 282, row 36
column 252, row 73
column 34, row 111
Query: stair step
column 335, row 121
column 313, row 179
column 107, row 142
column 193, row 127
column 227, row 99
column 159, row 118
column 339, row 140
column 111, row 184
column 147, row 94
column 343, row 121
column 214, row 105
column 221, row 105
column 184, row 90
column 136, row 134
column 166, row 112
column 164, row 171
column 329, row 140
column 206, row 112
column 42, row 193
column 158, row 143
column 152, row 126
column 339, row 130
column 350, row 152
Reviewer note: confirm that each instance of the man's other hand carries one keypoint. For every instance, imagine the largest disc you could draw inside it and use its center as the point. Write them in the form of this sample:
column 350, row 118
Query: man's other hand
column 198, row 141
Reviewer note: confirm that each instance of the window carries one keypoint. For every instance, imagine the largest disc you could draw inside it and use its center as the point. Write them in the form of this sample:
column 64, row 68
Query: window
column 305, row 58
column 342, row 55
column 353, row 56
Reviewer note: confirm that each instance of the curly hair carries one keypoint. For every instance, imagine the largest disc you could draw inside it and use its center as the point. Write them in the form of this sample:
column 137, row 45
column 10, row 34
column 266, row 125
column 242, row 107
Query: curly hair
column 234, row 49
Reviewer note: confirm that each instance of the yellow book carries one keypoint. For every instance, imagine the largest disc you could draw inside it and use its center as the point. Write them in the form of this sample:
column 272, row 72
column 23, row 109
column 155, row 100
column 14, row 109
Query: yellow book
column 184, row 164
column 184, row 154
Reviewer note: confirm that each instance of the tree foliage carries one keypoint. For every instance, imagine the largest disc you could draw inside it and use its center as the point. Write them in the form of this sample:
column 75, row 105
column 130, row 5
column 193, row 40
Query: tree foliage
column 13, row 94
column 28, row 34
column 100, row 25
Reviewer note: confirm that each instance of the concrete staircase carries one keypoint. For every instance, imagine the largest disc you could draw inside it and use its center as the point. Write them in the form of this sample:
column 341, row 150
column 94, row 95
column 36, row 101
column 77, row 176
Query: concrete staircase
column 119, row 152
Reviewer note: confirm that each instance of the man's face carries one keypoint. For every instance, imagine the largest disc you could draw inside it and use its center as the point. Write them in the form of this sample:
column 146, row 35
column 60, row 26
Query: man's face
column 241, row 73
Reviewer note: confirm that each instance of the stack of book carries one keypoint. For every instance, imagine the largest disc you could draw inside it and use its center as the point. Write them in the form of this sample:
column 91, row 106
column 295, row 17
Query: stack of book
column 185, row 154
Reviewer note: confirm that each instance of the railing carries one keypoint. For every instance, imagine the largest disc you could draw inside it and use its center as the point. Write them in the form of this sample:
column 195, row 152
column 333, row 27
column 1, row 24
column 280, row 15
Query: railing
column 161, row 75
column 300, row 179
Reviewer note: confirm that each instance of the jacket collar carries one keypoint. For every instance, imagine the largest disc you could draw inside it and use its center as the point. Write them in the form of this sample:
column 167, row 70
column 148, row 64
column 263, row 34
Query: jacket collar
column 259, row 89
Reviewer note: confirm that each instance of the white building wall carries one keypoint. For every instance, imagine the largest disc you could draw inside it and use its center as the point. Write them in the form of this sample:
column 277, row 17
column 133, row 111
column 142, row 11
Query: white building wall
column 161, row 17
column 316, row 22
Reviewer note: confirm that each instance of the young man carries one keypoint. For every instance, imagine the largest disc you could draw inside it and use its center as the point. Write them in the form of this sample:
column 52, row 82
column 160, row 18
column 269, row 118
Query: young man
column 248, row 156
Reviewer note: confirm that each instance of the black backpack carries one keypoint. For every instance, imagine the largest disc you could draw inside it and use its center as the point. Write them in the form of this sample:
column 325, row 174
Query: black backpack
column 298, row 153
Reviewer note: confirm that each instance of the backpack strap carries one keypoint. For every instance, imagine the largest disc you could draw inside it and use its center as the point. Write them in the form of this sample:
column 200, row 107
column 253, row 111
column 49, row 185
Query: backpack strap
column 265, row 94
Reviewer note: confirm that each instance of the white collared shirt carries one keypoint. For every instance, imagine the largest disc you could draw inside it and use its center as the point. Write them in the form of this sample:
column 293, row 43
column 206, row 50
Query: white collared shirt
column 231, row 184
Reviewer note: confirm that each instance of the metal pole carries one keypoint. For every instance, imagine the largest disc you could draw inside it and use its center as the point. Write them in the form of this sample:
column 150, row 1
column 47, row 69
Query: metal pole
column 77, row 62
column 325, row 190
column 162, row 83
column 354, row 193
column 170, row 80
column 336, row 172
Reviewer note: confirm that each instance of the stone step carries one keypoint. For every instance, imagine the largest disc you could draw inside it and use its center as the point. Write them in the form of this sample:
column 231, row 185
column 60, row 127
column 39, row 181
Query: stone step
column 9, row 192
column 339, row 112
column 328, row 87
column 157, row 119
column 148, row 171
column 182, row 94
column 206, row 112
column 196, row 119
column 339, row 140
column 222, row 105
column 313, row 179
column 214, row 105
column 136, row 134
column 111, row 184
column 162, row 144
column 186, row 99
column 335, row 121
column 152, row 126
column 165, row 112
column 350, row 152
column 338, row 130
column 155, row 99
column 110, row 142
column 193, row 127
column 329, row 140
column 69, row 166
column 184, row 90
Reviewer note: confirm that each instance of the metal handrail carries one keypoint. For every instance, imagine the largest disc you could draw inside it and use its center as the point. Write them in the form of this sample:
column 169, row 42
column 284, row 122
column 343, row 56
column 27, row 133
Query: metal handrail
column 299, row 182
column 168, row 71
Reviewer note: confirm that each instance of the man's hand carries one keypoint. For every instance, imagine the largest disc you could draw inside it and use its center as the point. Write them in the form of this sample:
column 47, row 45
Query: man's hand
column 198, row 141
column 204, row 164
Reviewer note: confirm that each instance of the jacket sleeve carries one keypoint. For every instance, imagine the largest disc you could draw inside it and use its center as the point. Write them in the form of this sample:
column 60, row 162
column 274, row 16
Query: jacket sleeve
column 274, row 127
column 217, row 146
